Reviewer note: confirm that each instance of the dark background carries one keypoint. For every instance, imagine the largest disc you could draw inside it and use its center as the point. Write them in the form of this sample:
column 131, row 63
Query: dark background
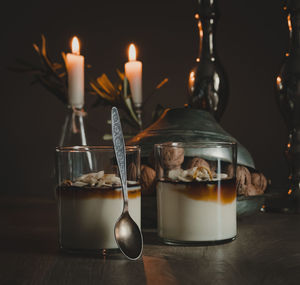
column 252, row 37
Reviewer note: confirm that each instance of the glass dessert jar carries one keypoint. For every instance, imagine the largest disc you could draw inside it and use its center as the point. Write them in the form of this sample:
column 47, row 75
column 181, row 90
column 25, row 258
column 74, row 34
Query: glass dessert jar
column 196, row 192
column 89, row 196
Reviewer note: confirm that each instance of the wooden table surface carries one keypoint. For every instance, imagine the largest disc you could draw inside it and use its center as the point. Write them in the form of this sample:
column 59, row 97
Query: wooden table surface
column 267, row 251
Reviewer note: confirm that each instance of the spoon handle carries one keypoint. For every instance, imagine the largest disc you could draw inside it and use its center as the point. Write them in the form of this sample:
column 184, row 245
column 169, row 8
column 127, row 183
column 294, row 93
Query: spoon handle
column 120, row 152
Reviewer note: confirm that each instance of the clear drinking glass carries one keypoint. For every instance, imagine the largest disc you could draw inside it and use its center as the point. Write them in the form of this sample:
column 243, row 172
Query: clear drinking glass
column 90, row 198
column 196, row 192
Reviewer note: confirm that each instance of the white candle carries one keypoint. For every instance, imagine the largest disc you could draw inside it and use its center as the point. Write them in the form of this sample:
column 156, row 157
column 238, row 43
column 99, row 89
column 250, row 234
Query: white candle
column 133, row 72
column 75, row 67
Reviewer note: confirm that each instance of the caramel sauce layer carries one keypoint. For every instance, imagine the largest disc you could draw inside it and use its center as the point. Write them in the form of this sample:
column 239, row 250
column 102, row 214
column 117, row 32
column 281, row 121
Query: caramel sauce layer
column 74, row 192
column 221, row 191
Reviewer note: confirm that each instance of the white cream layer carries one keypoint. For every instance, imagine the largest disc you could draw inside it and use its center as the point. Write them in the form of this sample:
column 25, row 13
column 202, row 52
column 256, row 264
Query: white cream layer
column 89, row 223
column 181, row 218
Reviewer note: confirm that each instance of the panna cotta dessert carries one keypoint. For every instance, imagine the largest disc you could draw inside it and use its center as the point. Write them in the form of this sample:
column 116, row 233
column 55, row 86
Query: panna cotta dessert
column 196, row 206
column 89, row 208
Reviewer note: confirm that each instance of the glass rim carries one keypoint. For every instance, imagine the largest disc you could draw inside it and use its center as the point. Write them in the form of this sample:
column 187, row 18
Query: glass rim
column 84, row 148
column 212, row 144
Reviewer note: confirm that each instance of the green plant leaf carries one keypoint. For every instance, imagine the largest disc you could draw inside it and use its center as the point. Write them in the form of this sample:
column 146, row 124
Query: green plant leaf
column 52, row 88
column 131, row 111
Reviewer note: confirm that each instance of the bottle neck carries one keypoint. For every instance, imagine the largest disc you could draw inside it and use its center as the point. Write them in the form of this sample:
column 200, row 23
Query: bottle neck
column 73, row 130
column 207, row 44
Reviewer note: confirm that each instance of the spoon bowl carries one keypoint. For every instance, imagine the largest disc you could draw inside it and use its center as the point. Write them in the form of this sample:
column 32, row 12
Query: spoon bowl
column 126, row 232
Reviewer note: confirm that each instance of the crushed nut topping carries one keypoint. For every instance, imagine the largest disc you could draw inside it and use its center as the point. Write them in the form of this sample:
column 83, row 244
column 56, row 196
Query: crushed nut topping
column 200, row 173
column 97, row 179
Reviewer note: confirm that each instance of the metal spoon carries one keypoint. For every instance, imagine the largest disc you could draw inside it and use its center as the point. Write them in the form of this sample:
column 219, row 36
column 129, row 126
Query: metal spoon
column 127, row 233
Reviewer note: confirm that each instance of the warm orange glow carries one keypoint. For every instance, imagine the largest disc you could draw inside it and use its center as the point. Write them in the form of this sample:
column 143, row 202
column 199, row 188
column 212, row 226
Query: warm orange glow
column 278, row 80
column 287, row 54
column 197, row 59
column 192, row 76
column 289, row 22
column 279, row 83
column 132, row 53
column 161, row 84
column 196, row 16
column 200, row 29
column 75, row 46
column 290, row 192
column 191, row 81
column 288, row 145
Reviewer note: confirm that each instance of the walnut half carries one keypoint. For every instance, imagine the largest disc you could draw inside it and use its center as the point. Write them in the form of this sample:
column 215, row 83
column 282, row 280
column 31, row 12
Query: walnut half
column 147, row 180
column 172, row 157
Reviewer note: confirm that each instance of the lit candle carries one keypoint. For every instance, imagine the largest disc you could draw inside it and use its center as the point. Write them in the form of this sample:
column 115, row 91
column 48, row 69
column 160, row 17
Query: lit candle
column 75, row 67
column 133, row 72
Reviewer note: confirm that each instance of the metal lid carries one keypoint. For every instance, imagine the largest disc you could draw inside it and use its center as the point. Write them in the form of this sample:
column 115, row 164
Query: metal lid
column 188, row 125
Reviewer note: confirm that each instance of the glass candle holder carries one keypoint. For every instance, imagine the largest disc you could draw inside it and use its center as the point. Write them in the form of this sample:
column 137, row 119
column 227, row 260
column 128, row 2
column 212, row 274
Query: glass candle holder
column 196, row 192
column 89, row 196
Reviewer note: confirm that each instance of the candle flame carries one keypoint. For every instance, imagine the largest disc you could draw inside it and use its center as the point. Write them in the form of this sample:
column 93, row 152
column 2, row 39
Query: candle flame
column 132, row 53
column 75, row 46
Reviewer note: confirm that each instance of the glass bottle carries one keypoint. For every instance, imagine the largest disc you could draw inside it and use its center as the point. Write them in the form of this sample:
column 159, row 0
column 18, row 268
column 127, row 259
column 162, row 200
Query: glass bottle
column 288, row 99
column 208, row 87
